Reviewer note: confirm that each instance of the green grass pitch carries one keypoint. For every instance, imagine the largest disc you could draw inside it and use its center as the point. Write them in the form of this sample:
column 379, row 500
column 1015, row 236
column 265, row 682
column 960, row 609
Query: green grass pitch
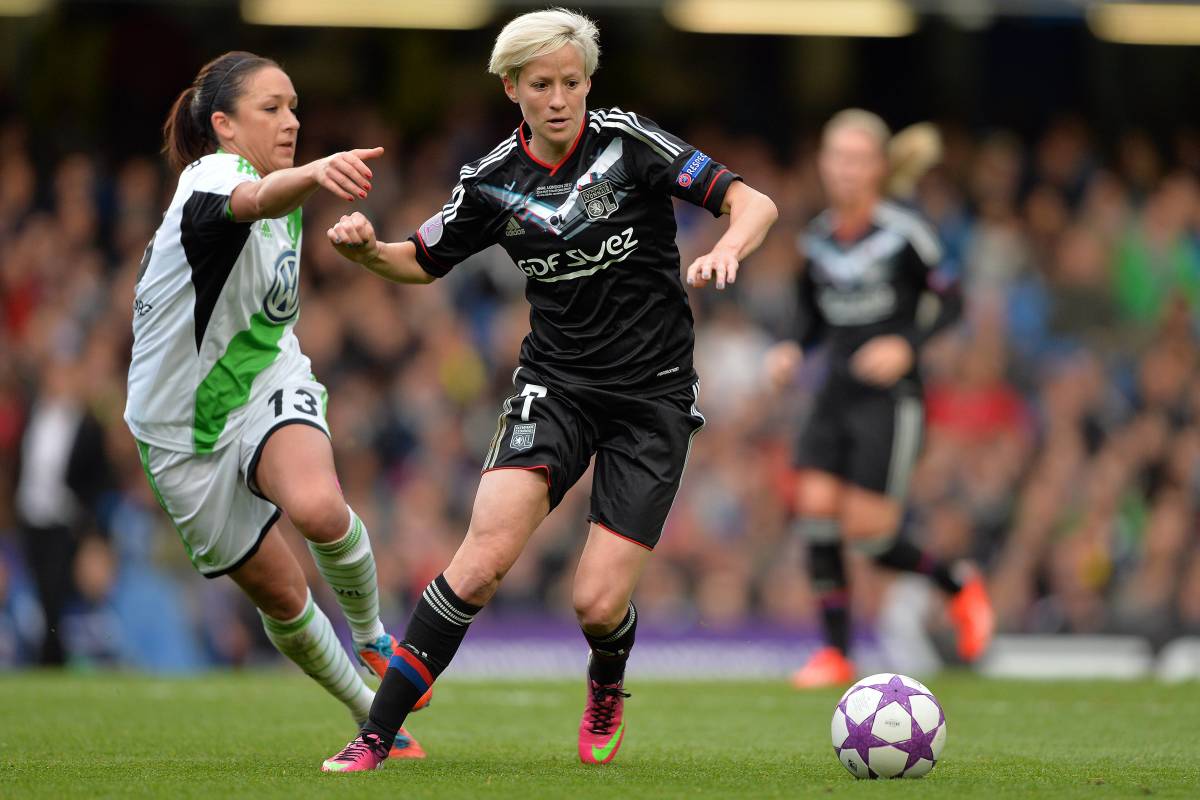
column 264, row 734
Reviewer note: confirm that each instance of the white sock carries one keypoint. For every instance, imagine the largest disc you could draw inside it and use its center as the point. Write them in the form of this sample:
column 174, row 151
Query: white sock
column 348, row 566
column 310, row 642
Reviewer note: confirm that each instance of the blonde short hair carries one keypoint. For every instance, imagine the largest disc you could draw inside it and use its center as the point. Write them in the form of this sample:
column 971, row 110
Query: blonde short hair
column 862, row 120
column 537, row 33
column 909, row 154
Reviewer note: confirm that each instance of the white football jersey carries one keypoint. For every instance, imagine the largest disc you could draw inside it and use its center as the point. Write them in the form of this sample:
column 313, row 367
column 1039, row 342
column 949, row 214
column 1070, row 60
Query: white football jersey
column 215, row 304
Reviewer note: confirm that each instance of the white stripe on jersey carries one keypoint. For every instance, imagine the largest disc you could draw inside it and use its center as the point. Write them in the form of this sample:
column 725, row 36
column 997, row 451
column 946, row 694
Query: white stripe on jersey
column 632, row 119
column 635, row 134
column 916, row 230
column 450, row 210
column 497, row 153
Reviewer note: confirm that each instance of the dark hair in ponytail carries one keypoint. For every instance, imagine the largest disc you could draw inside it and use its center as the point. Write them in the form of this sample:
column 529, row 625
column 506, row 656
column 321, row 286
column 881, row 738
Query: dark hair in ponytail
column 188, row 134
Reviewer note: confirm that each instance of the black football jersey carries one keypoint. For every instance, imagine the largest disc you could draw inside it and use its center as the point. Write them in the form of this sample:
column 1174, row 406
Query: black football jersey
column 851, row 292
column 594, row 236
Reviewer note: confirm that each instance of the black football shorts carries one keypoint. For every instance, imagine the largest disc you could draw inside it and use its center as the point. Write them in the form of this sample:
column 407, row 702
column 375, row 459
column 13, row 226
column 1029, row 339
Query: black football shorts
column 641, row 446
column 866, row 436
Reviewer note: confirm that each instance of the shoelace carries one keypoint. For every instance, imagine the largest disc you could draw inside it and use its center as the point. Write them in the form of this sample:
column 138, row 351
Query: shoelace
column 604, row 707
column 361, row 745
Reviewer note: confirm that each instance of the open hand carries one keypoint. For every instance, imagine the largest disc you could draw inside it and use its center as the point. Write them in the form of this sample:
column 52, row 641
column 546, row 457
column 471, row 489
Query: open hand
column 721, row 264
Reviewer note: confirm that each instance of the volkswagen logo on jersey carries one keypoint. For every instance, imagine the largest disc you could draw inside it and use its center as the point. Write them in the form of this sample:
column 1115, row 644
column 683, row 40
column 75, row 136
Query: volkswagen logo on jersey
column 599, row 201
column 283, row 299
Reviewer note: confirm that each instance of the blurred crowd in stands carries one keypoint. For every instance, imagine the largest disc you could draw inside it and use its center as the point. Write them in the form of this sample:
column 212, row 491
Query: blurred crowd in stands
column 1062, row 448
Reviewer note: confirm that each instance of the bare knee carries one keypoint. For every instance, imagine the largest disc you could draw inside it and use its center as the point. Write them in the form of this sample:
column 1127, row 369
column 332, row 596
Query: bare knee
column 320, row 514
column 475, row 574
column 280, row 601
column 819, row 494
column 871, row 517
column 598, row 611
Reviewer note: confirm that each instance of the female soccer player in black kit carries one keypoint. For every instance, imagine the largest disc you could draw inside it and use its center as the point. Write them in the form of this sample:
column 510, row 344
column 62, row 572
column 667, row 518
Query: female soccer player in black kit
column 582, row 202
column 870, row 264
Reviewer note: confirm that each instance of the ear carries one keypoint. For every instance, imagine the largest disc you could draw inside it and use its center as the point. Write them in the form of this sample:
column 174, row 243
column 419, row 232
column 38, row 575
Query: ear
column 510, row 88
column 587, row 87
column 222, row 125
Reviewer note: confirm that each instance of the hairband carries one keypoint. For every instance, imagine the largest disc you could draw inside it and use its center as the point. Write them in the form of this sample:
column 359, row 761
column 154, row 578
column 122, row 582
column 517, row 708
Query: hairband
column 216, row 92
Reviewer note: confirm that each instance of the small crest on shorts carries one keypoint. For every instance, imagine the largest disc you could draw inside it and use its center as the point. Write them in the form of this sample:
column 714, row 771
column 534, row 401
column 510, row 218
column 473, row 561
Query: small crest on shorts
column 599, row 200
column 522, row 438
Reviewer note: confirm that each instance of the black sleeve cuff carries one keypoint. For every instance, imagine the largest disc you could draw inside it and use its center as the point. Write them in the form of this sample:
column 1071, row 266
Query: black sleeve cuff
column 714, row 195
column 425, row 259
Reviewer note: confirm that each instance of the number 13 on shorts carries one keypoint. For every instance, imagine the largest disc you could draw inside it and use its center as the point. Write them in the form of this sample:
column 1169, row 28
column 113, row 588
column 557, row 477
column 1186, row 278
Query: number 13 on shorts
column 531, row 392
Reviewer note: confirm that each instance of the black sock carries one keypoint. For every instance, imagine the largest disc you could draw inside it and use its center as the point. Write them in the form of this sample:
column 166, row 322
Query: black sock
column 435, row 630
column 828, row 574
column 611, row 651
column 907, row 557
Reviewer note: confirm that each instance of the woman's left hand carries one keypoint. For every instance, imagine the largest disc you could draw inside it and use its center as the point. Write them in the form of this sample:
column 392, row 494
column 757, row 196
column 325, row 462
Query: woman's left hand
column 883, row 360
column 721, row 264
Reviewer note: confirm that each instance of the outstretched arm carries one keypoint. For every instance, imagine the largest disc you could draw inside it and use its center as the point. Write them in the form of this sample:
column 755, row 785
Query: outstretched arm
column 354, row 237
column 751, row 215
column 346, row 175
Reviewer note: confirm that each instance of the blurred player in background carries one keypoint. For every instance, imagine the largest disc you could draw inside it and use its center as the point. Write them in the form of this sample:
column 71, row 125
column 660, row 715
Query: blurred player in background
column 871, row 292
column 582, row 202
column 229, row 420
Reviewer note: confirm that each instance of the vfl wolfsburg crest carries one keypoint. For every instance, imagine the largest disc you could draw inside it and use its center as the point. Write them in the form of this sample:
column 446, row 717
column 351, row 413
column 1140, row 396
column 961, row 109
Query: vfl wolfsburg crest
column 599, row 201
column 283, row 298
column 522, row 438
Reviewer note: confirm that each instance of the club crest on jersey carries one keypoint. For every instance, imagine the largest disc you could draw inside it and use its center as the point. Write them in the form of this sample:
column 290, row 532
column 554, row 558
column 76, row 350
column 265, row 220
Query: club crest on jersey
column 599, row 200
column 283, row 298
column 522, row 437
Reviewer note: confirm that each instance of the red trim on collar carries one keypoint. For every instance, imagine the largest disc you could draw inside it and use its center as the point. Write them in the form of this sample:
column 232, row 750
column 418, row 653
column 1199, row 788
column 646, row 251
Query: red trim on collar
column 552, row 167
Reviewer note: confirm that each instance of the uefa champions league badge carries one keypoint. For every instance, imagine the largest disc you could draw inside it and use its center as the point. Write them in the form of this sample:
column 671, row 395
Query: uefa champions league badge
column 692, row 169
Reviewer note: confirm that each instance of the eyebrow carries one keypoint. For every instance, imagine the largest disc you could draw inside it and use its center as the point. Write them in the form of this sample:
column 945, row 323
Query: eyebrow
column 537, row 76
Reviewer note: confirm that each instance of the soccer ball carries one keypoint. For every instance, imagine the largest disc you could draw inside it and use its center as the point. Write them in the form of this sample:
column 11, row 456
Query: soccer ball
column 888, row 726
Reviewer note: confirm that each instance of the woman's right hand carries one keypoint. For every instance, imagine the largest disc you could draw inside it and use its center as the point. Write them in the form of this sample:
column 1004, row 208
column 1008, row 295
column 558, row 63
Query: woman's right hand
column 354, row 237
column 346, row 174
column 781, row 363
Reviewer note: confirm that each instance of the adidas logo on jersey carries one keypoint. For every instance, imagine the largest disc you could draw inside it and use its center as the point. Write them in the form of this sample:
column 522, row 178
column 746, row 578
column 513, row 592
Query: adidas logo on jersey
column 514, row 228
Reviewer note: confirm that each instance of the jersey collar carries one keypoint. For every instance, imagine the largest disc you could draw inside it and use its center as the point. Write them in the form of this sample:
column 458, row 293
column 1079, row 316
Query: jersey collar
column 524, row 133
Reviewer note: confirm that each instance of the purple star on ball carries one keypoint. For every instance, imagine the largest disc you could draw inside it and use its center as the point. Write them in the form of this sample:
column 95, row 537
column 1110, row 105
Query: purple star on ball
column 860, row 738
column 919, row 745
column 896, row 691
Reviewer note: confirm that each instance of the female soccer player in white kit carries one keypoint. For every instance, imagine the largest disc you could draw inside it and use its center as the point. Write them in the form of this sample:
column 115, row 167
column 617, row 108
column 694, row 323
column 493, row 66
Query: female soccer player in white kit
column 229, row 420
